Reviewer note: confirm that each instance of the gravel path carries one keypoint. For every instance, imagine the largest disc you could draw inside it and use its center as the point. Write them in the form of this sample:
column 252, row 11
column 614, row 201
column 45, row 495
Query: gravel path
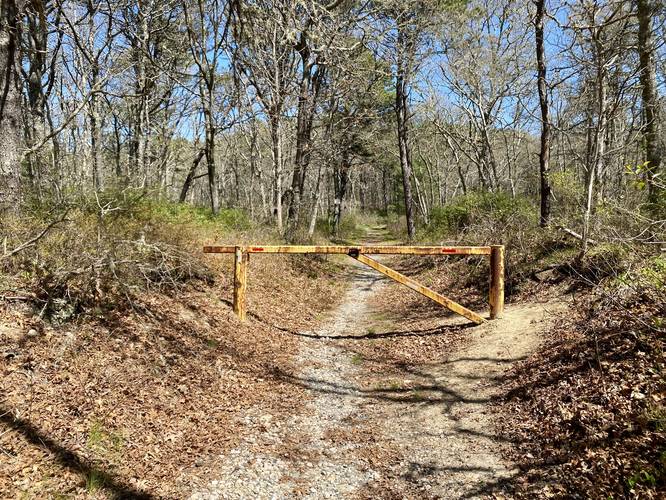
column 443, row 440
column 323, row 467
column 433, row 441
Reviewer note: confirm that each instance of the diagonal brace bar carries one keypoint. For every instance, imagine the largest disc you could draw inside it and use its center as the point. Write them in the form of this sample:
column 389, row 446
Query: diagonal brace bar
column 410, row 283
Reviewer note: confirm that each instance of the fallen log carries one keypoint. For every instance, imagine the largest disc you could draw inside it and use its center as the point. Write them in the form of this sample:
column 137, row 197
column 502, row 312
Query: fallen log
column 573, row 233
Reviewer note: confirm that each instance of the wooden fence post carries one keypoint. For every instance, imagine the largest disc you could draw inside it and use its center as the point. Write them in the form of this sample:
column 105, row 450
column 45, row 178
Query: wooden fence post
column 241, row 259
column 496, row 281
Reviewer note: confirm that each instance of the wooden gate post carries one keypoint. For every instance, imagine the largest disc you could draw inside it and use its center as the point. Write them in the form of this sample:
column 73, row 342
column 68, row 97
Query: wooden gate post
column 496, row 281
column 241, row 259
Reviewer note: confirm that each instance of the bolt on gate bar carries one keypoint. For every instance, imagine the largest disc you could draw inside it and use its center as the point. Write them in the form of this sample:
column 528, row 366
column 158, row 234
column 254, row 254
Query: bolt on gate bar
column 496, row 253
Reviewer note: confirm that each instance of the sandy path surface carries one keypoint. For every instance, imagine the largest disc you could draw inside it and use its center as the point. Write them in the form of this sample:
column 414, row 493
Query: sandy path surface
column 426, row 437
column 440, row 428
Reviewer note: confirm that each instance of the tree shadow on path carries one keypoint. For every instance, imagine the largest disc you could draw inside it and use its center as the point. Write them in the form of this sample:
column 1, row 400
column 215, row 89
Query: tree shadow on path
column 110, row 483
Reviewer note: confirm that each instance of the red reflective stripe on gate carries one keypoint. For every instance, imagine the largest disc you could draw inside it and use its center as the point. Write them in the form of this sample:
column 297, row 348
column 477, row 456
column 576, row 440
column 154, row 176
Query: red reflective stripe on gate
column 257, row 249
column 449, row 250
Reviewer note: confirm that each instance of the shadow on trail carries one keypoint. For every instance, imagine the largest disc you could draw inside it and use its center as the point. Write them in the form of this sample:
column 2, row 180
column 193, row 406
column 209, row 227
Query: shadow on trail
column 366, row 277
column 110, row 482
column 470, row 432
column 427, row 332
column 423, row 394
column 417, row 472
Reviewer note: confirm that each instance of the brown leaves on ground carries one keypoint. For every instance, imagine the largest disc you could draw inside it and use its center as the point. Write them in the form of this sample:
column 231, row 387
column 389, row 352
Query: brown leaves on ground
column 139, row 402
column 588, row 412
column 407, row 329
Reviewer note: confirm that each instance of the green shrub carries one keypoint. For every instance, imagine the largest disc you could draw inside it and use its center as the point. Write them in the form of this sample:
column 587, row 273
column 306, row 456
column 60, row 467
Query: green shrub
column 649, row 272
column 480, row 209
column 350, row 226
column 395, row 225
column 108, row 248
column 654, row 272
column 179, row 213
column 601, row 261
column 569, row 192
column 451, row 218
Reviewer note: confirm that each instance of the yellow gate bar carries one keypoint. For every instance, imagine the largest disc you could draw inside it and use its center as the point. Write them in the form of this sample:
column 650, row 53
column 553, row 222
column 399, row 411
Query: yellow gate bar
column 496, row 253
column 340, row 249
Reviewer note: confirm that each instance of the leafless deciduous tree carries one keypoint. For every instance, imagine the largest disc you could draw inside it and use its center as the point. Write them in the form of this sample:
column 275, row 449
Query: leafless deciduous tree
column 11, row 118
column 302, row 112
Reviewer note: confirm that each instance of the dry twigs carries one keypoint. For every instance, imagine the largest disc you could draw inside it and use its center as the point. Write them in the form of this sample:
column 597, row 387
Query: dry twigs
column 33, row 241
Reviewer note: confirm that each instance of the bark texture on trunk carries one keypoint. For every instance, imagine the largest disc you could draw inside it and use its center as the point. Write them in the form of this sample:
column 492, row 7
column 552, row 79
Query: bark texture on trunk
column 340, row 182
column 402, row 116
column 648, row 79
column 190, row 176
column 544, row 152
column 207, row 95
column 95, row 142
column 11, row 121
column 276, row 149
column 312, row 76
column 213, row 184
column 599, row 144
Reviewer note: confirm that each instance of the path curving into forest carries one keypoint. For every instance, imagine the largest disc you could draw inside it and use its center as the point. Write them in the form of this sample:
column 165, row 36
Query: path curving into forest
column 363, row 435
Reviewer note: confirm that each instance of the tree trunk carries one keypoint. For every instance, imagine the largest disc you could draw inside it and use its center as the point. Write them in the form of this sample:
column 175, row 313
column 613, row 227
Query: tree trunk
column 340, row 182
column 315, row 206
column 120, row 175
column 276, row 143
column 601, row 92
column 206, row 91
column 302, row 137
column 95, row 143
column 190, row 176
column 421, row 201
column 213, row 188
column 489, row 160
column 307, row 99
column 34, row 59
column 11, row 120
column 385, row 193
column 544, row 152
column 402, row 116
column 646, row 10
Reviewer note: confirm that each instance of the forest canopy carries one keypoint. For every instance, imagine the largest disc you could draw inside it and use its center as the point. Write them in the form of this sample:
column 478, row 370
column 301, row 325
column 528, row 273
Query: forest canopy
column 299, row 110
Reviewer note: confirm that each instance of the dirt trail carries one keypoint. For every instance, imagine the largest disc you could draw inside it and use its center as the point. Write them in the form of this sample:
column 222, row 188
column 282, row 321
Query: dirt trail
column 446, row 440
column 426, row 436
